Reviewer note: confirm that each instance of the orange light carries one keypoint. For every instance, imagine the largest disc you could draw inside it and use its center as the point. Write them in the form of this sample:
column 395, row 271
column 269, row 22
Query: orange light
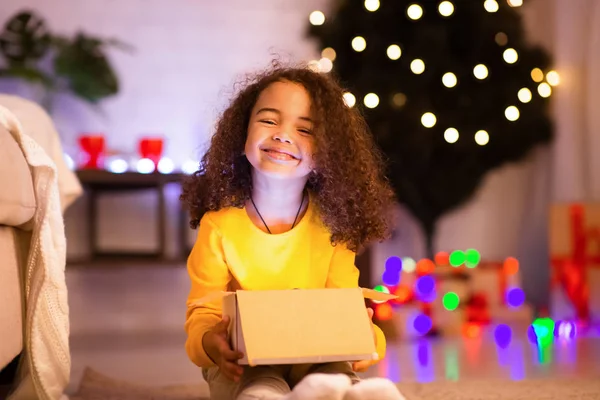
column 442, row 258
column 511, row 266
column 472, row 330
column 404, row 293
column 383, row 312
column 425, row 266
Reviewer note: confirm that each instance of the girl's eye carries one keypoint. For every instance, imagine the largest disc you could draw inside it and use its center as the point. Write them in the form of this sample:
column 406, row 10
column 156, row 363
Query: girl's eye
column 305, row 131
column 268, row 121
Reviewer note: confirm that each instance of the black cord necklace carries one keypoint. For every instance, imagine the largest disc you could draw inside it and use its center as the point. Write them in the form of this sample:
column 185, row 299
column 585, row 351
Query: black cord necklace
column 263, row 221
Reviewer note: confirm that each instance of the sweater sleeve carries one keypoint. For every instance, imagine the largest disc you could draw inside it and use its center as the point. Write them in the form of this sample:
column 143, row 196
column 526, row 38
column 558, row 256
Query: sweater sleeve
column 344, row 274
column 208, row 273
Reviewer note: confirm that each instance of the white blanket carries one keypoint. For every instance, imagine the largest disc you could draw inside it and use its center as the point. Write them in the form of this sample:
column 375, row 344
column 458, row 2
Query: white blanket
column 45, row 365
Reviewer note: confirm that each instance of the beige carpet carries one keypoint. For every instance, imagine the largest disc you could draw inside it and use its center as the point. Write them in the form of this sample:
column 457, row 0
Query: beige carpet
column 95, row 386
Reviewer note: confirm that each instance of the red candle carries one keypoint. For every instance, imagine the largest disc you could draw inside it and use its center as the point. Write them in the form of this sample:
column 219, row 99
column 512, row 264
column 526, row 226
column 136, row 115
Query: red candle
column 92, row 146
column 151, row 148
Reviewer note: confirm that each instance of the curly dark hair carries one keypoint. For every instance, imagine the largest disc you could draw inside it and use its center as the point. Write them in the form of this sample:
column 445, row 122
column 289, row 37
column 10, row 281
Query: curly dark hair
column 350, row 189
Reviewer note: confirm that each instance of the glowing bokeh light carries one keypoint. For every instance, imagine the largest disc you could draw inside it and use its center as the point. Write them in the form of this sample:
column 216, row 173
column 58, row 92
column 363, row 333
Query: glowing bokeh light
column 480, row 71
column 537, row 75
column 317, row 18
column 394, row 52
column 425, row 286
column 515, row 297
column 349, row 99
column 450, row 301
column 384, row 312
column 451, row 135
column 524, row 95
column 145, row 166
column 408, row 264
column 425, row 266
column 417, row 66
column 391, row 277
column 457, row 258
column 446, row 8
column 511, row 266
column 482, row 138
column 414, row 11
column 422, row 324
column 442, row 258
column 359, row 44
column 371, row 100
column 472, row 258
column 503, row 336
column 393, row 264
column 428, row 120
column 372, row 5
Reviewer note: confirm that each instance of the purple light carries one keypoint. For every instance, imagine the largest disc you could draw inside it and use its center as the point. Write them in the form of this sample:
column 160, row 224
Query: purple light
column 515, row 297
column 391, row 277
column 531, row 335
column 393, row 264
column 565, row 330
column 422, row 324
column 423, row 354
column 425, row 286
column 503, row 335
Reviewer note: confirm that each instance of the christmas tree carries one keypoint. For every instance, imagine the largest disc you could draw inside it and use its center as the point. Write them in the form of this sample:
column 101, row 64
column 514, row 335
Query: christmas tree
column 451, row 90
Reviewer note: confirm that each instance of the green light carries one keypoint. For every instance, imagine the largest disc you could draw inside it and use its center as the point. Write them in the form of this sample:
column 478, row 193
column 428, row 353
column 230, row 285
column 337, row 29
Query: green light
column 544, row 329
column 451, row 301
column 382, row 289
column 472, row 258
column 457, row 258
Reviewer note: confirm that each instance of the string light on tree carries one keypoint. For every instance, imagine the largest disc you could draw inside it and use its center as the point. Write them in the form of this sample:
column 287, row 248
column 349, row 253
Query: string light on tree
column 414, row 12
column 314, row 66
column 480, row 71
column 482, row 138
column 515, row 3
column 349, row 99
column 399, row 100
column 325, row 65
column 394, row 52
column 512, row 113
column 524, row 95
column 449, row 80
column 317, row 18
column 553, row 78
column 446, row 8
column 359, row 44
column 417, row 66
column 501, row 39
column 491, row 6
column 544, row 90
column 537, row 75
column 510, row 56
column 428, row 120
column 372, row 5
column 371, row 100
column 451, row 135
column 329, row 53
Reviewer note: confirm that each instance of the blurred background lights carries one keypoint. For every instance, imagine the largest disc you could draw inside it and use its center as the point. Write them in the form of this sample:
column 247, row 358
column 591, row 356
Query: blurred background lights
column 118, row 165
column 325, row 65
column 425, row 286
column 512, row 113
column 472, row 258
column 145, row 166
column 491, row 6
column 544, row 90
column 417, row 66
column 457, row 258
column 449, row 80
column 450, row 301
column 515, row 297
column 480, row 71
column 349, row 99
column 524, row 95
column 414, row 11
column 408, row 264
column 329, row 52
column 510, row 56
column 384, row 312
column 372, row 5
column 393, row 264
column 394, row 52
column 189, row 167
column 317, row 18
column 428, row 120
column 391, row 277
column 425, row 266
column 399, row 100
column 503, row 335
column 446, row 8
column 511, row 266
column 166, row 165
column 482, row 138
column 553, row 78
column 70, row 162
column 501, row 39
column 422, row 324
column 371, row 100
column 565, row 330
column 451, row 135
column 442, row 258
column 515, row 3
column 537, row 75
column 359, row 43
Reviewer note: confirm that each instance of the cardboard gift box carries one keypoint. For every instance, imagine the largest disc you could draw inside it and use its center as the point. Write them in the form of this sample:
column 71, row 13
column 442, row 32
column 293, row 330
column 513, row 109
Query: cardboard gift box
column 299, row 326
column 575, row 256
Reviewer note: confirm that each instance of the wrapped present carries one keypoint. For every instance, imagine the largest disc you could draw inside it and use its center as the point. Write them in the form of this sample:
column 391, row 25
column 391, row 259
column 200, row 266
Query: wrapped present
column 575, row 256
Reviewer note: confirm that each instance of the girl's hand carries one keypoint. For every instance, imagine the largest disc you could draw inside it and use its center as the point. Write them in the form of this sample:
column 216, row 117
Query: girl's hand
column 217, row 347
column 362, row 366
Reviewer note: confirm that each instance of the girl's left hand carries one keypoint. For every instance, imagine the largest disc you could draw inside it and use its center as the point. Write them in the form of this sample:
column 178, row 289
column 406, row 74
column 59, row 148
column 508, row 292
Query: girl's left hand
column 362, row 366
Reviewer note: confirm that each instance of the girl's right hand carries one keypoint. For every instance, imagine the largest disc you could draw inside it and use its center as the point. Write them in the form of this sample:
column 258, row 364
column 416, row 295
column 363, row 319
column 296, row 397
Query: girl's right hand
column 217, row 347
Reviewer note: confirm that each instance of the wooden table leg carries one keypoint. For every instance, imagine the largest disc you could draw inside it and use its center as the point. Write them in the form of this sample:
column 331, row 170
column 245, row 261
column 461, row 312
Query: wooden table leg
column 91, row 220
column 162, row 209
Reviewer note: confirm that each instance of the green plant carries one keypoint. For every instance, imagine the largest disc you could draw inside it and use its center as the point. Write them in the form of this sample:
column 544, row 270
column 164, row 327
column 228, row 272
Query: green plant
column 78, row 64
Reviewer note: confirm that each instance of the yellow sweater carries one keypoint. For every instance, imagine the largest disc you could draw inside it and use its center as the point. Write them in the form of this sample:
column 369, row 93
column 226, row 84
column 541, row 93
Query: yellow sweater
column 231, row 253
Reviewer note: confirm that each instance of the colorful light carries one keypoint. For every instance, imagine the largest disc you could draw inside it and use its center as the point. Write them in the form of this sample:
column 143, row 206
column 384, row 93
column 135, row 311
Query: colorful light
column 511, row 56
column 457, row 258
column 515, row 297
column 349, row 99
column 384, row 312
column 403, row 292
column 422, row 324
column 472, row 258
column 545, row 90
column 450, row 301
column 408, row 265
column 511, row 266
column 537, row 75
column 393, row 264
column 382, row 289
column 503, row 335
column 325, row 65
column 391, row 277
column 329, row 52
column 442, row 258
column 425, row 286
column 425, row 266
column 566, row 330
column 472, row 330
column 541, row 330
column 553, row 78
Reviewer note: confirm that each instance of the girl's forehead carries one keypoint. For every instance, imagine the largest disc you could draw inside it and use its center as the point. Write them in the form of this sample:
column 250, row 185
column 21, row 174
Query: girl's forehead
column 284, row 96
